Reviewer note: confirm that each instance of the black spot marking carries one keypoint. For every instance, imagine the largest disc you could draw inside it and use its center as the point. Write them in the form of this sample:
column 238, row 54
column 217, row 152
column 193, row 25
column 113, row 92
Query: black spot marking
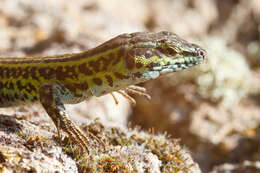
column 84, row 69
column 97, row 81
column 60, row 74
column 10, row 86
column 30, row 87
column 47, row 72
column 19, row 85
column 26, row 72
column 138, row 75
column 33, row 73
column 105, row 63
column 35, row 98
column 111, row 56
column 71, row 72
column 121, row 53
column 1, row 72
column 120, row 76
column 95, row 65
column 130, row 63
column 139, row 65
column 153, row 64
column 16, row 96
column 1, row 85
column 82, row 86
column 109, row 80
column 70, row 87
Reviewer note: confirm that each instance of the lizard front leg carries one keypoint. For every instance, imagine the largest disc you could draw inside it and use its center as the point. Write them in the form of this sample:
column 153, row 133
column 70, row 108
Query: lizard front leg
column 51, row 98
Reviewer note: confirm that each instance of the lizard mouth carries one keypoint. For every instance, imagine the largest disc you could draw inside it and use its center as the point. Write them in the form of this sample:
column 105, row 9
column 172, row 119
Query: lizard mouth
column 184, row 61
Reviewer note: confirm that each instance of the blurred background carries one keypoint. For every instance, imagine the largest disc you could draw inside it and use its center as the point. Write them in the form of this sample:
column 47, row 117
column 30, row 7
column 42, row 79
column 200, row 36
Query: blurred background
column 213, row 108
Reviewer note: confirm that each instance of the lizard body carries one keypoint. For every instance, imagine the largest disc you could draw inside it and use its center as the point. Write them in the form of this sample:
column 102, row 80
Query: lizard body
column 125, row 60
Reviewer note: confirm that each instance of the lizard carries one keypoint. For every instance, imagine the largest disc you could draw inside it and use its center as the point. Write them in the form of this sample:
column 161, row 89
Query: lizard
column 116, row 65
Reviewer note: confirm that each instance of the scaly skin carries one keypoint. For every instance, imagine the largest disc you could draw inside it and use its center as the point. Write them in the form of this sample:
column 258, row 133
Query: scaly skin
column 125, row 60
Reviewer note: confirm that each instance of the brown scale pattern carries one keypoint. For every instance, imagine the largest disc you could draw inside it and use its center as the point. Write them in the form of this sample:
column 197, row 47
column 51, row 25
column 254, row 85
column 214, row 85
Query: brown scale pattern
column 97, row 81
column 120, row 76
column 109, row 80
column 83, row 68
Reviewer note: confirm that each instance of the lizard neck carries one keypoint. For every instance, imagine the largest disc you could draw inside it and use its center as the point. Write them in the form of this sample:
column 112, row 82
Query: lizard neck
column 105, row 71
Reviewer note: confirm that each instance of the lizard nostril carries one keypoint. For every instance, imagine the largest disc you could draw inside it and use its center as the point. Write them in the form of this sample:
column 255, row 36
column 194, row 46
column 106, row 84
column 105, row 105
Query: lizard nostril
column 201, row 53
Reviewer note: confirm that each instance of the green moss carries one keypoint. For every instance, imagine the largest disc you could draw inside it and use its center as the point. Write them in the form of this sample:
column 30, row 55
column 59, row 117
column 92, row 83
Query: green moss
column 131, row 151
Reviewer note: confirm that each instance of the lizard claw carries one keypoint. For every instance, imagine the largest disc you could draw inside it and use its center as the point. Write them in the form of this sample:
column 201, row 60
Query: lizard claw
column 132, row 89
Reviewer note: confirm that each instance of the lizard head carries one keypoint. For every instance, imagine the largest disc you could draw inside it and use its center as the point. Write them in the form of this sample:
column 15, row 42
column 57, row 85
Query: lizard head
column 129, row 59
column 153, row 54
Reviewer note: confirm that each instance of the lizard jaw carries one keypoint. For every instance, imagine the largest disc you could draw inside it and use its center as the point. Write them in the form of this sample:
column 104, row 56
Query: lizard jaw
column 180, row 63
column 176, row 66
